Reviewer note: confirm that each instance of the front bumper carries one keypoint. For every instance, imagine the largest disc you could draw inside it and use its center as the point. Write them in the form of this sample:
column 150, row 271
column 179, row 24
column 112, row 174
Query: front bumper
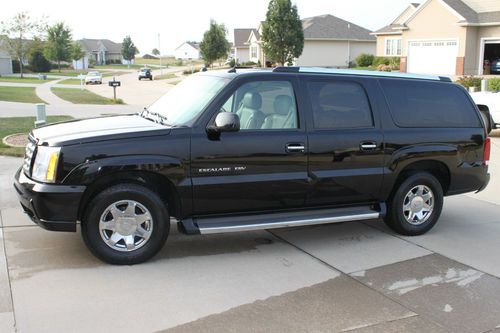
column 53, row 207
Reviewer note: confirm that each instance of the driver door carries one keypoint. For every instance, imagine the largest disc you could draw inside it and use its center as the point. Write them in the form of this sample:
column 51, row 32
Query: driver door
column 261, row 167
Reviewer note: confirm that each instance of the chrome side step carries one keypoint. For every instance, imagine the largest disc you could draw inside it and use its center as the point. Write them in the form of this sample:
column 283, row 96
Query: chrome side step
column 215, row 225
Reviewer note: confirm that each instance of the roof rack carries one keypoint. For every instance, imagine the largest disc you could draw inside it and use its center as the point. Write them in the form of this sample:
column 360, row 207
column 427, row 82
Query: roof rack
column 322, row 70
column 233, row 69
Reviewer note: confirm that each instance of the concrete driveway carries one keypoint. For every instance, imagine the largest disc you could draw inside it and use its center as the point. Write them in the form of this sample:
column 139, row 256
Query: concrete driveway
column 351, row 277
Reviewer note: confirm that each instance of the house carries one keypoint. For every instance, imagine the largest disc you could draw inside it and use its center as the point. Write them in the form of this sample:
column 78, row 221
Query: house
column 188, row 51
column 329, row 41
column 5, row 61
column 100, row 52
column 445, row 37
column 241, row 47
column 149, row 56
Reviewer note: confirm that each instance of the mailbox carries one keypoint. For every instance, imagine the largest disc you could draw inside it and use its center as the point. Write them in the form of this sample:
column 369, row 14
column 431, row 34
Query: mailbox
column 114, row 83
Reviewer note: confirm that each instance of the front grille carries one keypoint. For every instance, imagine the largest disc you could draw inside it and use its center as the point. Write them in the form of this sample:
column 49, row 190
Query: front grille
column 29, row 154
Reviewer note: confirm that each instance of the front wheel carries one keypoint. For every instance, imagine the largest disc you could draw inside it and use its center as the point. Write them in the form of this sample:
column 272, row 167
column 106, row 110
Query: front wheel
column 416, row 205
column 126, row 224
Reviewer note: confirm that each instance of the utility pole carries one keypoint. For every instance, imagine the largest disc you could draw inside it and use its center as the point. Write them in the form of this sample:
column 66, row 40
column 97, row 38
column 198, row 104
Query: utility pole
column 159, row 49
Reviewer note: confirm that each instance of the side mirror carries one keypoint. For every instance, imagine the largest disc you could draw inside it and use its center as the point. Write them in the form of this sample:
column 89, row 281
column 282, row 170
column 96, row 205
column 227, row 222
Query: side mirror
column 488, row 120
column 226, row 122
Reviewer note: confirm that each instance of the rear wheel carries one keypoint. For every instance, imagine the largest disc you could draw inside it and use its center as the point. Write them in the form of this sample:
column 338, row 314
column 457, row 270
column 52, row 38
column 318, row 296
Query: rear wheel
column 416, row 205
column 126, row 224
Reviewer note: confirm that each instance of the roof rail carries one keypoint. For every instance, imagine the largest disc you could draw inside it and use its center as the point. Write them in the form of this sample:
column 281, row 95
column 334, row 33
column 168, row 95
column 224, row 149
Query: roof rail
column 322, row 70
column 233, row 69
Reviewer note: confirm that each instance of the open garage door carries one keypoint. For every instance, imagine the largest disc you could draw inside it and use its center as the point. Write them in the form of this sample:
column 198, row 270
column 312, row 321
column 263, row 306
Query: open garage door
column 433, row 57
column 491, row 59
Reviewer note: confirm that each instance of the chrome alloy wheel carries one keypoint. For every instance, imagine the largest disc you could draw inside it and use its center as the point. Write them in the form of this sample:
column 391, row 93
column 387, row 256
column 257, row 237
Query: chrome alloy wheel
column 418, row 205
column 126, row 225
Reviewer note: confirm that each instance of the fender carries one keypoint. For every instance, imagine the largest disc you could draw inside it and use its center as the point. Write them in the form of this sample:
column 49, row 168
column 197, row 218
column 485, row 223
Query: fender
column 446, row 154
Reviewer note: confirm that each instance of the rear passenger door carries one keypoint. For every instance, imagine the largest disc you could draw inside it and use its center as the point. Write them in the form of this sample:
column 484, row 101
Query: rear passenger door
column 345, row 141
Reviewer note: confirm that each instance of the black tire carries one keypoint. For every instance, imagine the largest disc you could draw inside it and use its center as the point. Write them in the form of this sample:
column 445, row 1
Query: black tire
column 396, row 219
column 151, row 79
column 91, row 232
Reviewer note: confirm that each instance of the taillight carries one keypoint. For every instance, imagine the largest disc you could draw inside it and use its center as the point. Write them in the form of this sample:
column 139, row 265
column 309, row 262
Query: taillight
column 487, row 151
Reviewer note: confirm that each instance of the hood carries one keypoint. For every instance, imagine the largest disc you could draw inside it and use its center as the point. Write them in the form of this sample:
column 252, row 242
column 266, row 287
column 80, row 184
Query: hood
column 98, row 129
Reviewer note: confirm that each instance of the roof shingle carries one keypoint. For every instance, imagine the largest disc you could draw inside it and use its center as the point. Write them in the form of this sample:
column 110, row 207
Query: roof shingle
column 332, row 27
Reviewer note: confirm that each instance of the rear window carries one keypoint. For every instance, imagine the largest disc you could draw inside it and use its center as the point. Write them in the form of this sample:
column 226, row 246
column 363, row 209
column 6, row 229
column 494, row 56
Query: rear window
column 428, row 104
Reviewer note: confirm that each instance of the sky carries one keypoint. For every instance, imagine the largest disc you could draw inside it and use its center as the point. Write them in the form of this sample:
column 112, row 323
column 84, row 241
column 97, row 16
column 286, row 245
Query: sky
column 179, row 21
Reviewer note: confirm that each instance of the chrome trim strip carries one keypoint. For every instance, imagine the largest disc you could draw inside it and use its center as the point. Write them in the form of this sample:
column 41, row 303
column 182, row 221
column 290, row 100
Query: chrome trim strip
column 367, row 73
column 290, row 223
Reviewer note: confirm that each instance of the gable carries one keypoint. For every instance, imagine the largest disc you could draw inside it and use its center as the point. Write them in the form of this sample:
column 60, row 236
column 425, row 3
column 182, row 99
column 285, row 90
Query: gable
column 434, row 12
column 404, row 15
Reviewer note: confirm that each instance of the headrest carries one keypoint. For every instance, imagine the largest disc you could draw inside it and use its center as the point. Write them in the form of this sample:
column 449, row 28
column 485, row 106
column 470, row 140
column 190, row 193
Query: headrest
column 252, row 100
column 282, row 104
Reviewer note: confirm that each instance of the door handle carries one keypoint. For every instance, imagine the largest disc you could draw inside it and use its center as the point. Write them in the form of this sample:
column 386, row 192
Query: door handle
column 295, row 148
column 368, row 145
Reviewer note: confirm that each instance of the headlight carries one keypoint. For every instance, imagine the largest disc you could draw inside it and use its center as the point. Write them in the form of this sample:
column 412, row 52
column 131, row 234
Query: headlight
column 45, row 166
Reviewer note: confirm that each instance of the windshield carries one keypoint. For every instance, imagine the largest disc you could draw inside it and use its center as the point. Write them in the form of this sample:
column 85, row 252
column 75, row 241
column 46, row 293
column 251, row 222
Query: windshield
column 187, row 99
column 93, row 73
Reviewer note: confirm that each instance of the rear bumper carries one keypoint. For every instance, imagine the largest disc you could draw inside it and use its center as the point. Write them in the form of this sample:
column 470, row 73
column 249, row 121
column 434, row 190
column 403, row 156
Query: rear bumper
column 52, row 207
column 486, row 182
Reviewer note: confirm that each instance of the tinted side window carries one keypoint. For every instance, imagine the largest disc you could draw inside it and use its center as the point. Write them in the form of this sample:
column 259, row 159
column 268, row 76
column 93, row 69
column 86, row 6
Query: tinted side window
column 428, row 104
column 339, row 105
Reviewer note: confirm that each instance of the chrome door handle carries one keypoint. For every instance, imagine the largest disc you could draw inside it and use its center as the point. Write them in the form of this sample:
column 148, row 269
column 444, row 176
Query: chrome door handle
column 368, row 145
column 295, row 148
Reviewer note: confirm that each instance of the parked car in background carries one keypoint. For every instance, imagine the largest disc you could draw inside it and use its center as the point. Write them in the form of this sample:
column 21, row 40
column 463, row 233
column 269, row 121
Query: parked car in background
column 145, row 73
column 93, row 77
column 238, row 150
column 495, row 66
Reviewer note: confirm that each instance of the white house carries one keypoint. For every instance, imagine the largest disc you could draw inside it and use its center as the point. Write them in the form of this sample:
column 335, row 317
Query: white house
column 241, row 47
column 5, row 62
column 329, row 41
column 188, row 51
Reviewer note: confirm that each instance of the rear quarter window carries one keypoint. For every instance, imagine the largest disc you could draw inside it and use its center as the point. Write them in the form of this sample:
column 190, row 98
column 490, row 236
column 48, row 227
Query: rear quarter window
column 428, row 104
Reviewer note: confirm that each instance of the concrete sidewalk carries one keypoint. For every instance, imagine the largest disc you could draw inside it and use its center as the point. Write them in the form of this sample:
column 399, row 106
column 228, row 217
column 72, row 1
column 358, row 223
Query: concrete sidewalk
column 349, row 277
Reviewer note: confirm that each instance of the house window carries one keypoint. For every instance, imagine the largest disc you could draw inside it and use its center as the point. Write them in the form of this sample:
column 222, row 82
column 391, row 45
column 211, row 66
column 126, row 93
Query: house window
column 253, row 52
column 393, row 46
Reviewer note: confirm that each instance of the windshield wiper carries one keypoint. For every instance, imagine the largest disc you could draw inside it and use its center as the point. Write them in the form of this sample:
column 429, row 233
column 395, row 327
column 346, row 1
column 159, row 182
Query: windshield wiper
column 156, row 117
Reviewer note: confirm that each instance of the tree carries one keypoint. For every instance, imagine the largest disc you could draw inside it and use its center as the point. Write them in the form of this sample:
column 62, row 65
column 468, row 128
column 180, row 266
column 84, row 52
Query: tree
column 15, row 33
column 128, row 49
column 282, row 33
column 58, row 43
column 76, row 52
column 156, row 52
column 37, row 60
column 214, row 44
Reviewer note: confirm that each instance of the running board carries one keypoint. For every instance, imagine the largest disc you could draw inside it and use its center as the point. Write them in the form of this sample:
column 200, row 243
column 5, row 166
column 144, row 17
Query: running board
column 214, row 225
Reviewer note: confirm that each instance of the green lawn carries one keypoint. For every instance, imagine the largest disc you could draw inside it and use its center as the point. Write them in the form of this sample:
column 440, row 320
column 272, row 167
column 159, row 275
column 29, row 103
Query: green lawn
column 108, row 74
column 117, row 66
column 78, row 96
column 165, row 76
column 19, row 94
column 70, row 81
column 66, row 72
column 20, row 125
column 17, row 79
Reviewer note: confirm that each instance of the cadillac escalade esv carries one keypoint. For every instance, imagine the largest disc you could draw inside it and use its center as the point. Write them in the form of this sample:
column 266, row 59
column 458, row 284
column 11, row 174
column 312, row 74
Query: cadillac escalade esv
column 258, row 149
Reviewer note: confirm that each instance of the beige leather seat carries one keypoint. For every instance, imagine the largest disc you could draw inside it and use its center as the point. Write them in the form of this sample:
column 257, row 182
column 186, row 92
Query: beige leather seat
column 250, row 115
column 283, row 116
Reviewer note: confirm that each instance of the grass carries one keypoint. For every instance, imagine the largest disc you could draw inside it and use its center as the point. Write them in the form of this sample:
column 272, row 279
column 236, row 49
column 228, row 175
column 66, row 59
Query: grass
column 369, row 68
column 78, row 96
column 19, row 94
column 165, row 76
column 70, row 81
column 65, row 72
column 108, row 74
column 117, row 66
column 17, row 79
column 14, row 125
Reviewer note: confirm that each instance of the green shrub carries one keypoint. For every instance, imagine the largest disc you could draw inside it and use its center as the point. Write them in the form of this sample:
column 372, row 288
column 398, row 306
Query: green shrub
column 189, row 72
column 469, row 81
column 16, row 67
column 381, row 61
column 39, row 63
column 494, row 84
column 365, row 60
column 232, row 63
column 248, row 63
column 394, row 63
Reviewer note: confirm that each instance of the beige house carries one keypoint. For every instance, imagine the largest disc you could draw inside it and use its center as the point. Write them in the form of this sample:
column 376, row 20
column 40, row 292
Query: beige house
column 329, row 41
column 446, row 37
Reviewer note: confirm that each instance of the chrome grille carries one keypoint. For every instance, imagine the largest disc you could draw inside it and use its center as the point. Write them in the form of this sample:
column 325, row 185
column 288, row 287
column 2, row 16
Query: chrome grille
column 29, row 154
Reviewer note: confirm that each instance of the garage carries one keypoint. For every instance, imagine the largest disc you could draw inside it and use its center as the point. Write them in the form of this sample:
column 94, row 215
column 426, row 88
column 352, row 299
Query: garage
column 491, row 56
column 5, row 63
column 433, row 57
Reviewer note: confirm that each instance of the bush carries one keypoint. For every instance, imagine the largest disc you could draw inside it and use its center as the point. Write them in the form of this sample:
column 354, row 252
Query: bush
column 232, row 63
column 365, row 60
column 469, row 81
column 39, row 63
column 395, row 62
column 248, row 63
column 16, row 67
column 494, row 84
column 384, row 68
column 381, row 61
column 189, row 72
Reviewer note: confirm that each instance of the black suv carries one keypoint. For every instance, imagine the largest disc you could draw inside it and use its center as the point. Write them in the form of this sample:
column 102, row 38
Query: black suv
column 258, row 149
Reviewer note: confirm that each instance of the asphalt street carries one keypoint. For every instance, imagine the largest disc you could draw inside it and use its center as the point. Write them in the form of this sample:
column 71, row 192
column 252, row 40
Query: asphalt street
column 349, row 277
